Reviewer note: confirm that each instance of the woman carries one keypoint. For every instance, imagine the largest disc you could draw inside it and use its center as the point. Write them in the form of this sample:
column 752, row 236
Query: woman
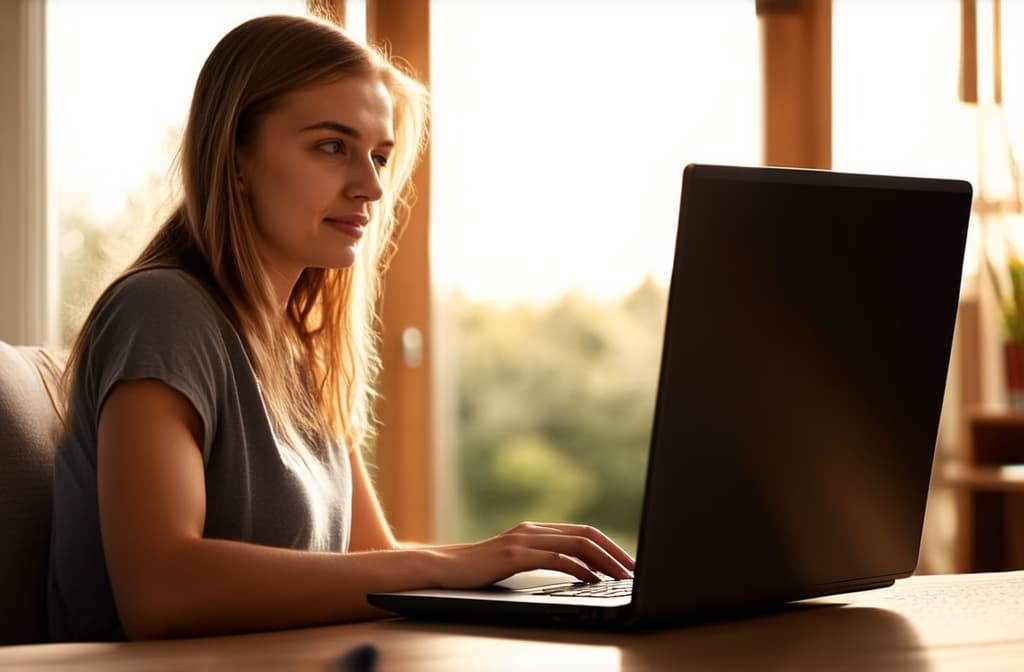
column 210, row 479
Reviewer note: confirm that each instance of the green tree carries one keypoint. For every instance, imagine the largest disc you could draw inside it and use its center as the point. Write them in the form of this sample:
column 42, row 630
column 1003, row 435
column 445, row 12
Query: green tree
column 555, row 405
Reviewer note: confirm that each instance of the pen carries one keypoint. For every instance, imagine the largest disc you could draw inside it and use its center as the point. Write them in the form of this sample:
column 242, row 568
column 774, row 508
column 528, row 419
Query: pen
column 362, row 658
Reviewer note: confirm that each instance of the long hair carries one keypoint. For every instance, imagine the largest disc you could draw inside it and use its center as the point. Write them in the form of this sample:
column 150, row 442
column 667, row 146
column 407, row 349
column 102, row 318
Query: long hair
column 317, row 374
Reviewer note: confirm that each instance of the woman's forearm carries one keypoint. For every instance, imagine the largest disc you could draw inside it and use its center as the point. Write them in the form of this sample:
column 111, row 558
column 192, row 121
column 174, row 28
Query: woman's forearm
column 212, row 586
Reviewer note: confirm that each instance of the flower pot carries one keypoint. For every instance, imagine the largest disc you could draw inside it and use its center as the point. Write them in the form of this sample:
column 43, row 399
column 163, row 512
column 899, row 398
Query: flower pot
column 1013, row 367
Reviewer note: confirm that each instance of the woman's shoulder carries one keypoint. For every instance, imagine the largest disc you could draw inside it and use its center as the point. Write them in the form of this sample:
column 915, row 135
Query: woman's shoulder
column 158, row 303
column 156, row 319
column 161, row 291
column 166, row 282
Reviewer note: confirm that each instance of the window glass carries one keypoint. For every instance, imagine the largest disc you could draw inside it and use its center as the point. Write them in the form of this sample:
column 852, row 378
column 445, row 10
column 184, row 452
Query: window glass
column 560, row 133
column 896, row 106
column 119, row 82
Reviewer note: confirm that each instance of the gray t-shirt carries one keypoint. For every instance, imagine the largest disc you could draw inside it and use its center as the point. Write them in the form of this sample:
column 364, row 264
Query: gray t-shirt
column 162, row 324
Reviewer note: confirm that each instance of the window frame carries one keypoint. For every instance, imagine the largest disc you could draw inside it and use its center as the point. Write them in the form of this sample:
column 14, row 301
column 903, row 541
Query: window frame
column 28, row 274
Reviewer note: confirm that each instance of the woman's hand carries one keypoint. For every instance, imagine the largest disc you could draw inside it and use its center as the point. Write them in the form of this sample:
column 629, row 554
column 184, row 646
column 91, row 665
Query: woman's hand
column 579, row 550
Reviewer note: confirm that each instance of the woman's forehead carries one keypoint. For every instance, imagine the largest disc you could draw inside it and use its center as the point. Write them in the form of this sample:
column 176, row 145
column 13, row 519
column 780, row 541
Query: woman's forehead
column 361, row 103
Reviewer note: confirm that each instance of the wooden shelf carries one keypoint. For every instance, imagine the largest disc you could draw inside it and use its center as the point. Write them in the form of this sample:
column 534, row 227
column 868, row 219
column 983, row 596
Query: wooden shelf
column 1009, row 478
column 989, row 486
column 996, row 416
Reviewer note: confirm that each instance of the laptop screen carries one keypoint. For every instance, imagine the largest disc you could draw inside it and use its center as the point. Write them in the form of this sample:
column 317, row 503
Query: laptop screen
column 807, row 343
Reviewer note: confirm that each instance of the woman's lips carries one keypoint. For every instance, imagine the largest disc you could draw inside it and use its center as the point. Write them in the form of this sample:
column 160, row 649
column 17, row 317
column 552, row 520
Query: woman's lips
column 350, row 226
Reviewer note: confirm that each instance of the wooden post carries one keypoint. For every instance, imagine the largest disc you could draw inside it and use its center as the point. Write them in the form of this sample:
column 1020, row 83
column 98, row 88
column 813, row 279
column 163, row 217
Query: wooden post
column 796, row 55
column 403, row 455
column 968, row 51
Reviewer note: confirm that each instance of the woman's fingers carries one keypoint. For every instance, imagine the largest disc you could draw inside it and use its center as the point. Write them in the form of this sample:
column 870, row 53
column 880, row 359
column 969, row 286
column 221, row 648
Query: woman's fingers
column 592, row 533
column 602, row 540
column 581, row 548
column 540, row 559
column 578, row 550
column 474, row 565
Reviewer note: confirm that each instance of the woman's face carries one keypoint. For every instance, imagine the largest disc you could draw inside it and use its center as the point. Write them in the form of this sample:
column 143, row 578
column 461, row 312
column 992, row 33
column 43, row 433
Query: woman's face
column 312, row 171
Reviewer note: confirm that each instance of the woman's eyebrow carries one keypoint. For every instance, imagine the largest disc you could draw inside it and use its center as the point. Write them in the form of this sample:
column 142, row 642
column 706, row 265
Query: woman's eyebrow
column 343, row 130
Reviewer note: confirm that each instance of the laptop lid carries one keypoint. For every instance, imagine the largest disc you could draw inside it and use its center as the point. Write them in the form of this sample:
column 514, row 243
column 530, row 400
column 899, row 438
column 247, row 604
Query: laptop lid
column 809, row 328
column 810, row 320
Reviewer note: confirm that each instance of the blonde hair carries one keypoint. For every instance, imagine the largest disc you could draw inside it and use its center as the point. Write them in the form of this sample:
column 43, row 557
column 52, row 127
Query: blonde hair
column 317, row 374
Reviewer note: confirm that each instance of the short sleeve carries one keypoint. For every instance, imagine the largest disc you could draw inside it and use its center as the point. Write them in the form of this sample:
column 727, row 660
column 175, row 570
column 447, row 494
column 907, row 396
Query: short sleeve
column 160, row 324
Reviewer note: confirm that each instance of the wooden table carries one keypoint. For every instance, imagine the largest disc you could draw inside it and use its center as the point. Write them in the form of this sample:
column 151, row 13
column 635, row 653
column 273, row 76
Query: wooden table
column 953, row 622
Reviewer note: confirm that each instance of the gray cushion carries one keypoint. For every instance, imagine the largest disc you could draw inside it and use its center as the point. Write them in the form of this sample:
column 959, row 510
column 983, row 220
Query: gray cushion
column 29, row 428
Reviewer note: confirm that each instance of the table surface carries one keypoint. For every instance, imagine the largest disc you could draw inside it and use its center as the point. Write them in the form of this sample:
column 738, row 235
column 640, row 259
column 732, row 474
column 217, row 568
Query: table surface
column 950, row 622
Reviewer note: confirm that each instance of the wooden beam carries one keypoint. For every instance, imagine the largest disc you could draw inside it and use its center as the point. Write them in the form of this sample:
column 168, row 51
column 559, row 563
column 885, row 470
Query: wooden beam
column 403, row 453
column 968, row 51
column 796, row 58
column 997, row 53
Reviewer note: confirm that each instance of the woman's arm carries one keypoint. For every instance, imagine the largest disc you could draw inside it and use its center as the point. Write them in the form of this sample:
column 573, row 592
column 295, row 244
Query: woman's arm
column 370, row 529
column 169, row 581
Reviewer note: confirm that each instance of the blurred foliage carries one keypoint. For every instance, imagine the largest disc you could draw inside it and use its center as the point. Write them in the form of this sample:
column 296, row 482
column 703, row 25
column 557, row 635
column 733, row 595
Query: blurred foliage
column 1009, row 290
column 95, row 250
column 555, row 405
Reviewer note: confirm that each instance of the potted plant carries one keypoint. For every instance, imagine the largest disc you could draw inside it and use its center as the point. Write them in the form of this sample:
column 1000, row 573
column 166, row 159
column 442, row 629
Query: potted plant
column 1009, row 291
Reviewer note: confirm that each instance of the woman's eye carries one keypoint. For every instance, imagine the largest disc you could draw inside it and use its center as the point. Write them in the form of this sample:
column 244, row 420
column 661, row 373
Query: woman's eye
column 380, row 160
column 333, row 147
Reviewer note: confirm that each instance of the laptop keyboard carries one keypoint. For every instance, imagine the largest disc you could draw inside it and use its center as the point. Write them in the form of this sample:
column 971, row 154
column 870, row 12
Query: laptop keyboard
column 610, row 588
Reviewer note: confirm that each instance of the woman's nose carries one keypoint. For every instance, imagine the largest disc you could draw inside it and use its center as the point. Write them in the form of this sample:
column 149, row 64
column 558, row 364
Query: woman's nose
column 365, row 184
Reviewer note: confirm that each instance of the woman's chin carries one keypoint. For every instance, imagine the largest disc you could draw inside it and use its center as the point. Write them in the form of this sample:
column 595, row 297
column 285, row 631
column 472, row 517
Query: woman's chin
column 340, row 261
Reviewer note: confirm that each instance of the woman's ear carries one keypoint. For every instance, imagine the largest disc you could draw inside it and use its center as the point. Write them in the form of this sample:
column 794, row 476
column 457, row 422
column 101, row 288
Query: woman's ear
column 242, row 165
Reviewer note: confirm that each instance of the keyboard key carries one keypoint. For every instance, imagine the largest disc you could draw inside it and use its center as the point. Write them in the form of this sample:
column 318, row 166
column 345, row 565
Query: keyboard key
column 620, row 588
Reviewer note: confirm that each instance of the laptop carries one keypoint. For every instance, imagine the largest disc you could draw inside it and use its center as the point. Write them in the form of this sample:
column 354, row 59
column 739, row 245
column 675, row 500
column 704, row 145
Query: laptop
column 806, row 346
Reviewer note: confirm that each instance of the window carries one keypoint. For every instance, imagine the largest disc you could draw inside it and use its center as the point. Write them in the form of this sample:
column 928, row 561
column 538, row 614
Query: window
column 119, row 82
column 896, row 107
column 560, row 133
